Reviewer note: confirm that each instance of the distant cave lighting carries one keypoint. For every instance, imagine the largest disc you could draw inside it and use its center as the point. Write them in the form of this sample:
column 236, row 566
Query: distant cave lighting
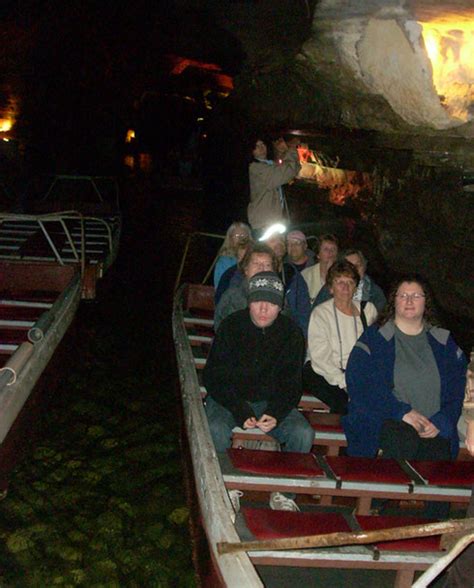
column 6, row 125
column 341, row 183
column 130, row 136
column 449, row 44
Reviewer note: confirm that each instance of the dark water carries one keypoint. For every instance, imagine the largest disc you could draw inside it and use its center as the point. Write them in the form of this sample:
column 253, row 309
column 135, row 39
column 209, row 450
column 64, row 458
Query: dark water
column 100, row 500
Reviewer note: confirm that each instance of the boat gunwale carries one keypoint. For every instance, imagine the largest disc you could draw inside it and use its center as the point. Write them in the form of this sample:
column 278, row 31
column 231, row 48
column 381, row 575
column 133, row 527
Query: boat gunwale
column 14, row 396
column 214, row 503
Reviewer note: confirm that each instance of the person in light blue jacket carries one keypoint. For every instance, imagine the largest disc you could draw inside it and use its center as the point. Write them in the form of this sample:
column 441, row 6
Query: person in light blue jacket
column 233, row 249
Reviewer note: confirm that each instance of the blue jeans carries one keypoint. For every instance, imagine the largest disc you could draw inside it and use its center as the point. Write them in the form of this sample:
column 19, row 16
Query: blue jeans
column 293, row 432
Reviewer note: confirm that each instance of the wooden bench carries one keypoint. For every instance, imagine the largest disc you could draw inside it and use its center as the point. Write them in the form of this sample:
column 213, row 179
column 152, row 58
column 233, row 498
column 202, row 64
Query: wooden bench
column 361, row 478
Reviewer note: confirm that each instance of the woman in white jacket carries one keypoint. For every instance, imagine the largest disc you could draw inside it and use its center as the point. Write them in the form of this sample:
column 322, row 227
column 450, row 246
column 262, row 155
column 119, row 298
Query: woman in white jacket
column 334, row 328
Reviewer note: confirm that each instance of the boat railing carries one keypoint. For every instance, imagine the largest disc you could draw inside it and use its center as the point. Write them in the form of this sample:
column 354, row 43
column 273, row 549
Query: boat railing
column 213, row 500
column 443, row 562
column 27, row 363
column 93, row 181
column 45, row 223
column 192, row 237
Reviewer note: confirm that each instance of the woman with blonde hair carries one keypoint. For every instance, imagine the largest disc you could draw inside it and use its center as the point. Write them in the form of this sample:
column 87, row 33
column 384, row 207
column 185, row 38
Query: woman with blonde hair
column 235, row 245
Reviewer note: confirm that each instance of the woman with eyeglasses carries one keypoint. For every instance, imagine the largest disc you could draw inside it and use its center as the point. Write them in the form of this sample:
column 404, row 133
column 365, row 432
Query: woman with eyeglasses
column 236, row 242
column 334, row 327
column 405, row 379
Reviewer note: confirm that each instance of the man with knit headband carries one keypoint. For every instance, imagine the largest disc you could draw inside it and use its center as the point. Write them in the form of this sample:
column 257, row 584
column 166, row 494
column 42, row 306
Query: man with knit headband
column 253, row 374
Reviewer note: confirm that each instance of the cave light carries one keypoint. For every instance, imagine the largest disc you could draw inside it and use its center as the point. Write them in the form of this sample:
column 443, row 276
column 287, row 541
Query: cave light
column 341, row 183
column 449, row 43
column 130, row 136
column 5, row 125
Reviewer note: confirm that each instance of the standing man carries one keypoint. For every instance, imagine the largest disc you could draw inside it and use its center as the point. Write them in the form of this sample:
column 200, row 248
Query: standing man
column 253, row 375
column 267, row 202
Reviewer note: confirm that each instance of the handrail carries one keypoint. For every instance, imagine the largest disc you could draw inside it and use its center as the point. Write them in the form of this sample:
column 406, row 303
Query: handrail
column 43, row 219
column 92, row 179
column 191, row 236
column 42, row 325
column 195, row 234
column 213, row 499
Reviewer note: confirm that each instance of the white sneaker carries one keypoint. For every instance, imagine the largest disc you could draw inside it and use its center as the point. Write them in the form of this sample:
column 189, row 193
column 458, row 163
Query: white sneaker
column 279, row 501
column 234, row 497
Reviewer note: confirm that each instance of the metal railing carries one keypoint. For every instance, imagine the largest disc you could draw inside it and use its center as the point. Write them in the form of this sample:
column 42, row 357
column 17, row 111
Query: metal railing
column 44, row 222
column 196, row 234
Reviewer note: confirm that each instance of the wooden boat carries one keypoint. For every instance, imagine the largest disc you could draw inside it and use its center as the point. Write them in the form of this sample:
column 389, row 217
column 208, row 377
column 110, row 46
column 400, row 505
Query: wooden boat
column 234, row 561
column 47, row 263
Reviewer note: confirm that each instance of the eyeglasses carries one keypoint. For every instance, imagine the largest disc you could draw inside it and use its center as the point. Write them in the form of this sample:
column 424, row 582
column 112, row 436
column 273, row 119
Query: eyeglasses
column 342, row 282
column 414, row 296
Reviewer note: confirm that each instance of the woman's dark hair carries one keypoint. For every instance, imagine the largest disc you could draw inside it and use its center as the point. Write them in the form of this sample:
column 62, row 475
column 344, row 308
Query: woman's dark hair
column 250, row 146
column 342, row 268
column 430, row 315
column 328, row 237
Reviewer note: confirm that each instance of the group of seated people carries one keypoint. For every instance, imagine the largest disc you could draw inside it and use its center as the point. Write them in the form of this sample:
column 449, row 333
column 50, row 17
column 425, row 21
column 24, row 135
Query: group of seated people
column 289, row 321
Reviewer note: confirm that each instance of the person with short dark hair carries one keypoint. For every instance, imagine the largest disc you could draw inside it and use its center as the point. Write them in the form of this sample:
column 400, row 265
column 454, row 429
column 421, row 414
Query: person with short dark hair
column 315, row 276
column 367, row 290
column 297, row 251
column 296, row 291
column 334, row 328
column 267, row 202
column 253, row 374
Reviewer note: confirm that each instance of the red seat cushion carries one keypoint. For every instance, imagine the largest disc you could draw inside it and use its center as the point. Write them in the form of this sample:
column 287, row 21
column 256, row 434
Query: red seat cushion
column 275, row 463
column 13, row 336
column 327, row 428
column 366, row 469
column 325, row 422
column 276, row 524
column 20, row 313
column 369, row 523
column 445, row 473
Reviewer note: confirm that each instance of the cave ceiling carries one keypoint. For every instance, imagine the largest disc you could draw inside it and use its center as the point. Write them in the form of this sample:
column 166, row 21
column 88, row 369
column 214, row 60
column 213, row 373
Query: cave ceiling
column 360, row 65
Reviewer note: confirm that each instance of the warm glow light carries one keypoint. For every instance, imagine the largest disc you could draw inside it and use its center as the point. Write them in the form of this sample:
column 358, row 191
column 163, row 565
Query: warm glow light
column 5, row 125
column 450, row 47
column 341, row 183
column 130, row 136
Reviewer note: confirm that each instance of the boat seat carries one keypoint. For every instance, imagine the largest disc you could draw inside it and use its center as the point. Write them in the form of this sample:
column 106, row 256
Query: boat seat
column 361, row 478
column 376, row 523
column 444, row 473
column 37, row 244
column 270, row 462
column 43, row 296
column 13, row 336
column 21, row 313
column 405, row 556
column 366, row 469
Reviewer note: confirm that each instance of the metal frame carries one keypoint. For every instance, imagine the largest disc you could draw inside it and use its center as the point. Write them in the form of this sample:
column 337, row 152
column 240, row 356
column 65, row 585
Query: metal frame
column 79, row 253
